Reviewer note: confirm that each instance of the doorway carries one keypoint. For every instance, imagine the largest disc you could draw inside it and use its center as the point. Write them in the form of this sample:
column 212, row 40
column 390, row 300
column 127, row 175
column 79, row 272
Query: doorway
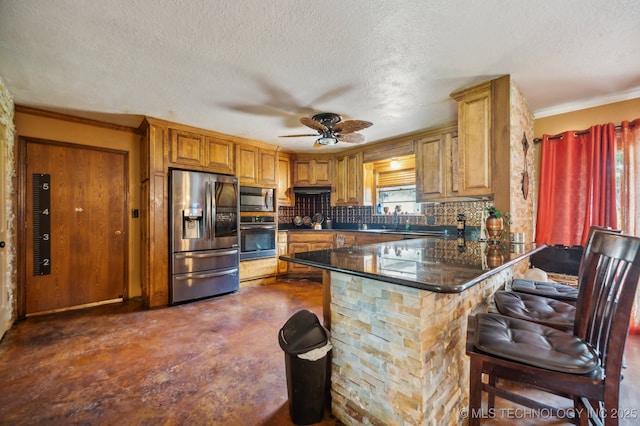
column 75, row 240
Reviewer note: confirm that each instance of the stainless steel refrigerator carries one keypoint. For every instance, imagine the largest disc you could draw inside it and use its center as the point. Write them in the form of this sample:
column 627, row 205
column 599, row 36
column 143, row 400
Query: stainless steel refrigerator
column 204, row 235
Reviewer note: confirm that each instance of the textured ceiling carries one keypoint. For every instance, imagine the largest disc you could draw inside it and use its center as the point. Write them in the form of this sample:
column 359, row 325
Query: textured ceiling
column 252, row 68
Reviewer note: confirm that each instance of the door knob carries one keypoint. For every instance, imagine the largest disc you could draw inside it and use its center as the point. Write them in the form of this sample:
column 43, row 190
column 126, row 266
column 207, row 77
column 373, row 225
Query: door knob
column 1, row 244
column 118, row 232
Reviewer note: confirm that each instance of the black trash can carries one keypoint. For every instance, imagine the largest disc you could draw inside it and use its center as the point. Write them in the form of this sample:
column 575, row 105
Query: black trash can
column 306, row 378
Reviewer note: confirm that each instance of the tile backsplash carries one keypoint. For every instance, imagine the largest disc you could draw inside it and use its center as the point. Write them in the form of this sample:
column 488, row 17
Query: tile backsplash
column 437, row 214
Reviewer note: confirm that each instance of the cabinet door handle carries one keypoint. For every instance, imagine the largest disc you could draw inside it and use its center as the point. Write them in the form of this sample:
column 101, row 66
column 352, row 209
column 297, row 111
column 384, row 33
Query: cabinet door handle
column 118, row 233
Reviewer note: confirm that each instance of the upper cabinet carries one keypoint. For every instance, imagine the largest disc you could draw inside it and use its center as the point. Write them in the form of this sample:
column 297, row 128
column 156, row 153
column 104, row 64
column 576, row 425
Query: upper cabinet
column 283, row 191
column 352, row 180
column 437, row 165
column 475, row 140
column 312, row 171
column 197, row 150
column 256, row 166
column 484, row 125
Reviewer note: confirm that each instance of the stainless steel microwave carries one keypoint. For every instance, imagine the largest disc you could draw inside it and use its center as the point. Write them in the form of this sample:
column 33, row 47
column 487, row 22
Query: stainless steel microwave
column 254, row 199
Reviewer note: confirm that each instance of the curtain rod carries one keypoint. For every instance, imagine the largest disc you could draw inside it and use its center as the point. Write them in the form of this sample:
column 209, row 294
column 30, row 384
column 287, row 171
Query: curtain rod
column 584, row 132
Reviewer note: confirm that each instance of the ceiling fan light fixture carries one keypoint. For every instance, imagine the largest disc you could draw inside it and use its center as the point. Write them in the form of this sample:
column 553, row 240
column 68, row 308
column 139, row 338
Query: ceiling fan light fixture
column 327, row 140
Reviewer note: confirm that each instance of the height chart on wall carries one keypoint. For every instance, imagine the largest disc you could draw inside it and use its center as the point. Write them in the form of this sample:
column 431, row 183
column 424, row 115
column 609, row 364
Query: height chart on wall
column 41, row 224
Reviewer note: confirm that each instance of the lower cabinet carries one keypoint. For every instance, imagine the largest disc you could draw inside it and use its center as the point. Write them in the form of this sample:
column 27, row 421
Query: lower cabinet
column 364, row 238
column 265, row 271
column 304, row 241
column 345, row 239
column 299, row 242
column 258, row 271
column 282, row 249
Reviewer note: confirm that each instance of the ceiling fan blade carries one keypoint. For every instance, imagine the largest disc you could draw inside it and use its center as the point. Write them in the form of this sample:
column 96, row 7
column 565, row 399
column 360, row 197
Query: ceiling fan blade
column 351, row 138
column 313, row 124
column 297, row 136
column 351, row 126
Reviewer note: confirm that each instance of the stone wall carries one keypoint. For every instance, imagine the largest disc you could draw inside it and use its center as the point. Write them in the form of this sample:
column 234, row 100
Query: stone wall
column 522, row 211
column 7, row 137
column 399, row 352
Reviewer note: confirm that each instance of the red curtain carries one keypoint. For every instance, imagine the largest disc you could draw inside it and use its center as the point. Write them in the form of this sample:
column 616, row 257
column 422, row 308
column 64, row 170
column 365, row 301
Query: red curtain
column 630, row 196
column 577, row 185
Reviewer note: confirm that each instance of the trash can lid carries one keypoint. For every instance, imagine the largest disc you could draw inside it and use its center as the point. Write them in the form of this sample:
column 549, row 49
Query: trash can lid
column 302, row 333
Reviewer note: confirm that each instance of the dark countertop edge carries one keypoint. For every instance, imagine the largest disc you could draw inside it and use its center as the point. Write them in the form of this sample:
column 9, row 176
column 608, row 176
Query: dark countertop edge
column 471, row 232
column 414, row 284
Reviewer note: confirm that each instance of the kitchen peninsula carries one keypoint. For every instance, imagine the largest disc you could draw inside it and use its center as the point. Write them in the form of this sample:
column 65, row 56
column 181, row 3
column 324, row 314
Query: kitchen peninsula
column 397, row 313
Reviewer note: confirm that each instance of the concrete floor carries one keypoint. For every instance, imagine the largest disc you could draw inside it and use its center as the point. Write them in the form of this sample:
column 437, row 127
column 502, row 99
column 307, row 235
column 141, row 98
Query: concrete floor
column 210, row 362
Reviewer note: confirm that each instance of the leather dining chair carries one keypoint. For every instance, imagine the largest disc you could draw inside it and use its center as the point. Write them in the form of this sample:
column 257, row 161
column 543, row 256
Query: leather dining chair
column 584, row 366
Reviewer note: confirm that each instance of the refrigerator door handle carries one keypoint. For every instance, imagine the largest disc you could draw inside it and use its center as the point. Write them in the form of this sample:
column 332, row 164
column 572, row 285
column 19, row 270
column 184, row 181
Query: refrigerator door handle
column 206, row 275
column 204, row 255
column 207, row 203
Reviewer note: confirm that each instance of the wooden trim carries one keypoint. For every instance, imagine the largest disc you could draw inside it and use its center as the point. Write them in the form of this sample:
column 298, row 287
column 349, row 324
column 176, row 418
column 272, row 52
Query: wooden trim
column 66, row 117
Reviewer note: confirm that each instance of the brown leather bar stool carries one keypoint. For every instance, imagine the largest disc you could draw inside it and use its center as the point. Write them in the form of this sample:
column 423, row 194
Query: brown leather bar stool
column 552, row 290
column 584, row 365
column 538, row 304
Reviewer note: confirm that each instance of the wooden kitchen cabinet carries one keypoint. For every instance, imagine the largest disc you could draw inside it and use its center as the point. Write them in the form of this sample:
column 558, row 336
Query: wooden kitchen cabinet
column 305, row 241
column 374, row 238
column 312, row 171
column 282, row 249
column 256, row 166
column 258, row 271
column 344, row 239
column 350, row 177
column 154, row 219
column 475, row 145
column 283, row 190
column 200, row 151
column 437, row 165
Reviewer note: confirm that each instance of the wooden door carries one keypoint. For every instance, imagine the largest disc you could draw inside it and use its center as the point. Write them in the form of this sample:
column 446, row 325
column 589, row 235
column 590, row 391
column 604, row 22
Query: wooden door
column 87, row 226
column 283, row 188
column 430, row 163
column 267, row 169
column 247, row 164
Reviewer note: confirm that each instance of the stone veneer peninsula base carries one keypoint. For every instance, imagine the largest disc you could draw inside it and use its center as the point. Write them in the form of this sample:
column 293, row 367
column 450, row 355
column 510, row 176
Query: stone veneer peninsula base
column 399, row 352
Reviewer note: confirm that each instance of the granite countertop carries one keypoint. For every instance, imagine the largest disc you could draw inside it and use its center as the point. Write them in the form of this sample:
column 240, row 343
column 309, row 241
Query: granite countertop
column 435, row 264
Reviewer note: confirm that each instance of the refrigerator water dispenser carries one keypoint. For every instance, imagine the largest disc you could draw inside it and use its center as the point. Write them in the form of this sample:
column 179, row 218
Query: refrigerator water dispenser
column 192, row 222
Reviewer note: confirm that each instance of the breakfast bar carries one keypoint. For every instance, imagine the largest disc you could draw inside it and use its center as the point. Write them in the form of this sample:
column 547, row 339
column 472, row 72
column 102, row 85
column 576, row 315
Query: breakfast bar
column 397, row 313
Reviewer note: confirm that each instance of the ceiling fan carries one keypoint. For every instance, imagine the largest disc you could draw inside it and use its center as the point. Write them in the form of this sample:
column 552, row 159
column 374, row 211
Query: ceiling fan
column 332, row 129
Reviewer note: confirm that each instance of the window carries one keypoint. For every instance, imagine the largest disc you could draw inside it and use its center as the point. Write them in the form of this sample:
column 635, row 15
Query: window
column 395, row 185
column 391, row 197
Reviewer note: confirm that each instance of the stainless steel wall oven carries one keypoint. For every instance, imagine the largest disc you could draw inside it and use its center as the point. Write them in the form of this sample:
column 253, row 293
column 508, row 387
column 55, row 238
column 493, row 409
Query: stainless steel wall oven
column 257, row 237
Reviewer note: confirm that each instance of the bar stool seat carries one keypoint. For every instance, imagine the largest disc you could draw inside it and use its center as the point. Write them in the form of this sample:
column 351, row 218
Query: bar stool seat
column 543, row 310
column 533, row 344
column 552, row 290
